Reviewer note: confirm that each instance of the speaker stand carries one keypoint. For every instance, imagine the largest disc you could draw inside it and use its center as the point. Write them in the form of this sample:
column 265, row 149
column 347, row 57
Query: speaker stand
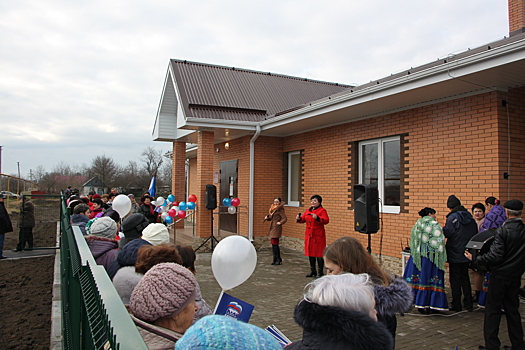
column 211, row 238
column 369, row 248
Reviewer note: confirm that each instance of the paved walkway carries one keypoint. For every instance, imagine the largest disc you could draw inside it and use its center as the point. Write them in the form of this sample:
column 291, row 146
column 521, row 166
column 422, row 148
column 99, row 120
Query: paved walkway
column 275, row 290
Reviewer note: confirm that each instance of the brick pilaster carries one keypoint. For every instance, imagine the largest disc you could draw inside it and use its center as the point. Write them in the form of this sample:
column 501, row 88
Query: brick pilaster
column 516, row 16
column 205, row 154
column 178, row 173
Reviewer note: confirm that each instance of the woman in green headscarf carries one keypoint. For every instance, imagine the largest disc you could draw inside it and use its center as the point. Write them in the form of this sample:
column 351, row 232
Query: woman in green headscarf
column 424, row 271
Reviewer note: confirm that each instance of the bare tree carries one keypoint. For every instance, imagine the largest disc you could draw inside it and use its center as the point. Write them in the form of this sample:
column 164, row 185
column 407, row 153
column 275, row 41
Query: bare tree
column 152, row 160
column 105, row 169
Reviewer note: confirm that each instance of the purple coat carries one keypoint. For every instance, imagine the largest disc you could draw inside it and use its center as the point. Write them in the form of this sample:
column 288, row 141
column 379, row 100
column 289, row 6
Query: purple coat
column 494, row 218
column 104, row 250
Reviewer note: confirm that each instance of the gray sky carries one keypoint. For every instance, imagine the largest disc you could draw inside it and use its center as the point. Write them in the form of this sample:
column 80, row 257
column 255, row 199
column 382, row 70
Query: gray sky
column 81, row 79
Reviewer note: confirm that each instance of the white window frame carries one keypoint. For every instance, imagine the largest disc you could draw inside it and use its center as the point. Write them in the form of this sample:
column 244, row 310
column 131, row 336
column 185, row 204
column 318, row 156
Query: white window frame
column 392, row 209
column 290, row 202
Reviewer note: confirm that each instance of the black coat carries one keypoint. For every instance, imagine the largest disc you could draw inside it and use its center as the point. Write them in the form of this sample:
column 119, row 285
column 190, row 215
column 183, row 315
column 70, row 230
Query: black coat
column 5, row 220
column 506, row 257
column 459, row 229
column 145, row 209
column 330, row 327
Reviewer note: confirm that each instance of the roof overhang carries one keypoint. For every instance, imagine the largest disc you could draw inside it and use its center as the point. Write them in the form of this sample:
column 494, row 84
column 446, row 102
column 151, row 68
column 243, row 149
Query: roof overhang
column 493, row 68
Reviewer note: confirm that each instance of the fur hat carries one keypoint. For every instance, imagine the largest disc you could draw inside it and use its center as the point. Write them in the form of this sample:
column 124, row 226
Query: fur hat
column 223, row 332
column 513, row 204
column 104, row 227
column 133, row 225
column 453, row 202
column 164, row 291
column 156, row 234
column 95, row 196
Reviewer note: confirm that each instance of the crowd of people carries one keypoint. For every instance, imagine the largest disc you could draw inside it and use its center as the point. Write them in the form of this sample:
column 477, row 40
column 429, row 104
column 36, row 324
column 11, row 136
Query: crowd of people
column 497, row 271
column 353, row 306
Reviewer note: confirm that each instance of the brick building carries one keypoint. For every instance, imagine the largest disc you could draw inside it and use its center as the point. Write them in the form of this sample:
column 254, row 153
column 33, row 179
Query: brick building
column 452, row 126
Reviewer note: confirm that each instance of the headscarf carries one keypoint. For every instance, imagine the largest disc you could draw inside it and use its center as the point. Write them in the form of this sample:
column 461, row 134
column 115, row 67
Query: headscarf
column 427, row 240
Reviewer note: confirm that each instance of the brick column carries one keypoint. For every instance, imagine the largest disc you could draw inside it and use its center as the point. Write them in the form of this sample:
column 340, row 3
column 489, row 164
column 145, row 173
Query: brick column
column 178, row 174
column 516, row 16
column 205, row 155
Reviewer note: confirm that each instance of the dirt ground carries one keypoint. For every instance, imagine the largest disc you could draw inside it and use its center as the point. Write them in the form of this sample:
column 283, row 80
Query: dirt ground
column 25, row 300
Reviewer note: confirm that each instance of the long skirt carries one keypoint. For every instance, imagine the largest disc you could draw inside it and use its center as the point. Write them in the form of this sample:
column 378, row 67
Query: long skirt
column 428, row 285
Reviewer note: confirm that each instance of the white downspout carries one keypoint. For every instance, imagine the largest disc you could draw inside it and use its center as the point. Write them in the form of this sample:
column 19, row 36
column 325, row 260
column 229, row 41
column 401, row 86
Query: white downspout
column 252, row 171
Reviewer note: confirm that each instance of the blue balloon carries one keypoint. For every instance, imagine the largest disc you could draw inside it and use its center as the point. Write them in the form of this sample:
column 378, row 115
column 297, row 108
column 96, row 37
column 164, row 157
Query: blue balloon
column 182, row 205
column 171, row 198
column 191, row 205
column 169, row 219
column 227, row 202
column 163, row 204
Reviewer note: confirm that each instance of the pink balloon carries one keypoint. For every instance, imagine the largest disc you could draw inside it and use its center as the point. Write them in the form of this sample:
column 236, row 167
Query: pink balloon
column 172, row 212
column 236, row 202
column 192, row 198
column 181, row 214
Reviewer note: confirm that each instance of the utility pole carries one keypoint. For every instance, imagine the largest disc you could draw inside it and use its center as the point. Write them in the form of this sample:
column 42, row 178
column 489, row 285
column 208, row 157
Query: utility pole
column 1, row 159
column 18, row 190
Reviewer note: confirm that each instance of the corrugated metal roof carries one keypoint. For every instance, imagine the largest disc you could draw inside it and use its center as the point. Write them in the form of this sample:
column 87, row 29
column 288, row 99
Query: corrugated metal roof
column 229, row 93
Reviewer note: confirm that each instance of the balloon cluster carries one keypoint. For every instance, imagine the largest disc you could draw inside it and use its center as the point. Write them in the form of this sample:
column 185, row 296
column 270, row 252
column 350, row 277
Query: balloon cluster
column 171, row 208
column 232, row 204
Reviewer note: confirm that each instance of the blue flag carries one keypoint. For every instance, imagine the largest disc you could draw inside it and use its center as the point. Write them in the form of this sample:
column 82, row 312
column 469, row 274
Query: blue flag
column 153, row 187
column 233, row 307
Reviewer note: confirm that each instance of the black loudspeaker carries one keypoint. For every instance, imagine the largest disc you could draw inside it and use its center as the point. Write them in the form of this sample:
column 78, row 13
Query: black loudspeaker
column 482, row 241
column 211, row 197
column 366, row 208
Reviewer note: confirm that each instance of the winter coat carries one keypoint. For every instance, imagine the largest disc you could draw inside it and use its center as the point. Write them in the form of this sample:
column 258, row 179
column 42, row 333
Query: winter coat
column 127, row 256
column 104, row 250
column 155, row 337
column 95, row 212
column 149, row 212
column 125, row 280
column 315, row 235
column 330, row 327
column 459, row 229
column 494, row 218
column 276, row 231
column 203, row 308
column 27, row 212
column 506, row 256
column 5, row 220
column 80, row 220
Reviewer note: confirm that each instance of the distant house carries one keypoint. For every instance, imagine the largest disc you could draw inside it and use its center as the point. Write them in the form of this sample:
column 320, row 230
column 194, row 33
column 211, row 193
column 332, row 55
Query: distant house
column 452, row 126
column 94, row 184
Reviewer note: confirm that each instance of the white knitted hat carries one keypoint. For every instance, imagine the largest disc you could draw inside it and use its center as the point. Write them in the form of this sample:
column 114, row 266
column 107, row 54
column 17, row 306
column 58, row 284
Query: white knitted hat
column 156, row 234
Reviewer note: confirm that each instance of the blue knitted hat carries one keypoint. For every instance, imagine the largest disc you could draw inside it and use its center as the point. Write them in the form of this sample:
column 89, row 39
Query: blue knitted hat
column 225, row 333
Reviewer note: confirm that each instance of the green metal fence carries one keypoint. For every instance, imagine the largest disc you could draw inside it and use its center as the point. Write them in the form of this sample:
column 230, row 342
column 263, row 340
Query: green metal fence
column 93, row 315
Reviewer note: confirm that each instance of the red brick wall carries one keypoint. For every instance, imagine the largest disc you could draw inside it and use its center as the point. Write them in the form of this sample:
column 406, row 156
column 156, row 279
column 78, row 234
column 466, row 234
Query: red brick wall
column 516, row 15
column 456, row 147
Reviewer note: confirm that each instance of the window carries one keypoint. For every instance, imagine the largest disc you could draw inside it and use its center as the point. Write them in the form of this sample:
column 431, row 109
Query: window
column 380, row 165
column 294, row 178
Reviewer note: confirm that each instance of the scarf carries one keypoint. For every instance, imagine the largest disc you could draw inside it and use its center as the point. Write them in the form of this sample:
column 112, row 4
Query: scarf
column 273, row 208
column 427, row 240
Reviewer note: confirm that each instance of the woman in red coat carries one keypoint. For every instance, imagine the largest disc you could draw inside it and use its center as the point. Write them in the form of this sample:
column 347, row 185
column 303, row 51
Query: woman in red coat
column 314, row 236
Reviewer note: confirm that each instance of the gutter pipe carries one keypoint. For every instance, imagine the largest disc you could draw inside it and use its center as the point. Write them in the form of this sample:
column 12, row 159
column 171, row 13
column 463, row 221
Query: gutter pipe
column 252, row 172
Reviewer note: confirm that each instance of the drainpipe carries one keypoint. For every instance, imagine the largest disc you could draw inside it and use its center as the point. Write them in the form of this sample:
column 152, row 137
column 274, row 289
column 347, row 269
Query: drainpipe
column 252, row 166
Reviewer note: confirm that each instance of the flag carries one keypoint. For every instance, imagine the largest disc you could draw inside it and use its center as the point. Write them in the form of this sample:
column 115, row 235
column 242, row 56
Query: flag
column 153, row 187
column 233, row 307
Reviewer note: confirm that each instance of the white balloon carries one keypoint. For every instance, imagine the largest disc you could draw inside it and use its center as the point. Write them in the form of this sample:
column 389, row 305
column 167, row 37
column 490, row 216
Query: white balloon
column 232, row 209
column 164, row 215
column 159, row 201
column 122, row 205
column 233, row 261
column 175, row 208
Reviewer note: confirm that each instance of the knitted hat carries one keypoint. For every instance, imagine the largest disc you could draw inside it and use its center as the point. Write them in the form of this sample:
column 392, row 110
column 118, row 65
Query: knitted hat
column 95, row 196
column 131, row 195
column 164, row 291
column 223, row 332
column 156, row 234
column 133, row 225
column 104, row 227
column 453, row 202
column 513, row 204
